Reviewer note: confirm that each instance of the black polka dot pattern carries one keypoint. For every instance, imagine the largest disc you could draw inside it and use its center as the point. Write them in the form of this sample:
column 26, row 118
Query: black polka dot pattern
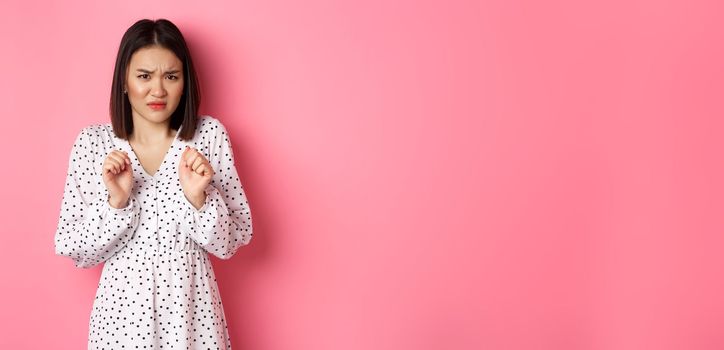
column 157, row 289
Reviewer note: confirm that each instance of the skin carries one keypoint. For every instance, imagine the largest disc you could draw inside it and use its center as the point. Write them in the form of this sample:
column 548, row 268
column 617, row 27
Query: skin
column 154, row 73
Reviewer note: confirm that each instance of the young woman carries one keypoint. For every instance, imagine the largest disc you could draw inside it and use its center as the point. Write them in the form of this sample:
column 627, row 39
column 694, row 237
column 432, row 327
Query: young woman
column 149, row 195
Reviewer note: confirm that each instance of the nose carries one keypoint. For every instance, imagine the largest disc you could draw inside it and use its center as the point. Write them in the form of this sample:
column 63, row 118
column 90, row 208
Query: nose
column 157, row 89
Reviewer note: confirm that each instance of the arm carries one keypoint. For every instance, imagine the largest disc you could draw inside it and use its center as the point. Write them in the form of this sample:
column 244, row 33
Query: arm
column 223, row 223
column 89, row 229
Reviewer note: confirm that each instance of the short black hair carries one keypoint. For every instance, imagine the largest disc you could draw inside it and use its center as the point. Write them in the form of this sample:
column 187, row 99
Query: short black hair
column 145, row 33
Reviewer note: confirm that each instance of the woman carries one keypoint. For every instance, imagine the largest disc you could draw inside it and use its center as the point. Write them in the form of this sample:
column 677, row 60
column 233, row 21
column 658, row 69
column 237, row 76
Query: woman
column 149, row 195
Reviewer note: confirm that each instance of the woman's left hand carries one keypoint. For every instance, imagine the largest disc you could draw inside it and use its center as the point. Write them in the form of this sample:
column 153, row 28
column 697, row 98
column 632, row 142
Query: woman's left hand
column 195, row 174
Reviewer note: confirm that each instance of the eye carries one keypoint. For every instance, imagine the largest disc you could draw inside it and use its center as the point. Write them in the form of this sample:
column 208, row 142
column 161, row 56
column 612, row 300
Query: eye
column 143, row 75
column 174, row 77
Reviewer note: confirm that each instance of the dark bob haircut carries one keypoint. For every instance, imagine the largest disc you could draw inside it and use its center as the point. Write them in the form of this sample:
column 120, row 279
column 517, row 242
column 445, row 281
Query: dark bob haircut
column 145, row 33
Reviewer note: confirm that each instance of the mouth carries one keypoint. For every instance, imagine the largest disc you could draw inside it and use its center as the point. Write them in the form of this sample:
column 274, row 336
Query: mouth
column 157, row 105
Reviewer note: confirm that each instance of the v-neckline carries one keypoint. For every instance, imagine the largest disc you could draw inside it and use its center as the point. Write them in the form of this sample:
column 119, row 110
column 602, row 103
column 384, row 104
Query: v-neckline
column 164, row 161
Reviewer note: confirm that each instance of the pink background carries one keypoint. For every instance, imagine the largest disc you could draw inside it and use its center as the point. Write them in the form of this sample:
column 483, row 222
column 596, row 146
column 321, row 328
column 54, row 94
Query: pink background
column 422, row 175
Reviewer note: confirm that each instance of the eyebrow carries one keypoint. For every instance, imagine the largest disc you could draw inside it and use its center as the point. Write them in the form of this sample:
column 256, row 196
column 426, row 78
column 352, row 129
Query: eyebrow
column 173, row 71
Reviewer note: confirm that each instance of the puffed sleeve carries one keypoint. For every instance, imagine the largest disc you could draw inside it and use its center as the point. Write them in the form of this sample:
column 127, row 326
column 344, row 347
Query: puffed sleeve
column 89, row 229
column 223, row 223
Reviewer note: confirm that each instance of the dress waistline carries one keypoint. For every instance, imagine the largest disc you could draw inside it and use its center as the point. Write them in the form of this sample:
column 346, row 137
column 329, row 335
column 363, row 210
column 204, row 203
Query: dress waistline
column 157, row 252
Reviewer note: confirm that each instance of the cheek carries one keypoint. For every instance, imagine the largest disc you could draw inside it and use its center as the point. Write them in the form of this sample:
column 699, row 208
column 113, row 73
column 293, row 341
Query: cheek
column 136, row 94
column 137, row 89
column 177, row 91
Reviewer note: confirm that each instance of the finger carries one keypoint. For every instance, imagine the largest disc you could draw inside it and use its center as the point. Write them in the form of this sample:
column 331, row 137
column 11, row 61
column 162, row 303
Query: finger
column 110, row 167
column 121, row 157
column 115, row 164
column 181, row 163
column 126, row 158
column 189, row 160
column 118, row 158
column 107, row 168
column 208, row 170
column 201, row 169
column 183, row 156
column 189, row 156
column 198, row 161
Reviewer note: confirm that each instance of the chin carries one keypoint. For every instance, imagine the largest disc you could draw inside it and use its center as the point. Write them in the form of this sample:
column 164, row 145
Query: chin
column 157, row 117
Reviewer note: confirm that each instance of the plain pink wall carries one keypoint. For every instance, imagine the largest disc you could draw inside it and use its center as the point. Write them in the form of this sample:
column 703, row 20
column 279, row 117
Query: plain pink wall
column 422, row 175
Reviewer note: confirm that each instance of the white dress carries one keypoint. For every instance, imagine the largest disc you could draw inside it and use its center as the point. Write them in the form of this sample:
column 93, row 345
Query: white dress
column 157, row 289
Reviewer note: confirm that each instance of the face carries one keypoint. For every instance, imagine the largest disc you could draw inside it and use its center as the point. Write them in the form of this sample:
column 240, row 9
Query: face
column 155, row 83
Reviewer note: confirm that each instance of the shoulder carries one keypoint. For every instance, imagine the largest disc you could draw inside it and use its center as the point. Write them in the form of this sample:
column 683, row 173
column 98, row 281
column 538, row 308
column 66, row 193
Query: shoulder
column 92, row 134
column 217, row 145
column 97, row 138
column 210, row 126
column 211, row 131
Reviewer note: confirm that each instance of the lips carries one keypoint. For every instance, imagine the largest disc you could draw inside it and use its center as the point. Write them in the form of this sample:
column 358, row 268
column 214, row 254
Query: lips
column 157, row 106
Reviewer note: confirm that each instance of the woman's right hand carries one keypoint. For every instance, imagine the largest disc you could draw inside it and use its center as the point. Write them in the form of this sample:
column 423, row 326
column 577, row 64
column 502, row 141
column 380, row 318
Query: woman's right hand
column 118, row 177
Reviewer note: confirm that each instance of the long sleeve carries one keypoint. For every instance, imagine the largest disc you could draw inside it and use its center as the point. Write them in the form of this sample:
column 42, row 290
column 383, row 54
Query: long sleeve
column 223, row 223
column 89, row 229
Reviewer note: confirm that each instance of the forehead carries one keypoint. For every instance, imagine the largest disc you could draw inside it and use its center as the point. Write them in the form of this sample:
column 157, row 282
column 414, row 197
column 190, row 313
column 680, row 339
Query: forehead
column 154, row 56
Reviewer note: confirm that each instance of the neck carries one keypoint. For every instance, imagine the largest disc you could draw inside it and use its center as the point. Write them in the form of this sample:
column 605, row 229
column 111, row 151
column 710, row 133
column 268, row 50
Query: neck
column 148, row 133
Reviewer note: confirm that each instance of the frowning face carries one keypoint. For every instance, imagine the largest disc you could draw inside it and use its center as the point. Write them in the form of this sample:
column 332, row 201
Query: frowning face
column 154, row 83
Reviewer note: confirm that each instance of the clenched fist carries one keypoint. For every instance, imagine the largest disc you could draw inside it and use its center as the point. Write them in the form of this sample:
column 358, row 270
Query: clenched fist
column 118, row 177
column 195, row 174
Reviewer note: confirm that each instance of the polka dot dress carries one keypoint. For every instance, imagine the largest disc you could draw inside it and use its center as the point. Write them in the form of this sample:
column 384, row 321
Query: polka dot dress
column 157, row 289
